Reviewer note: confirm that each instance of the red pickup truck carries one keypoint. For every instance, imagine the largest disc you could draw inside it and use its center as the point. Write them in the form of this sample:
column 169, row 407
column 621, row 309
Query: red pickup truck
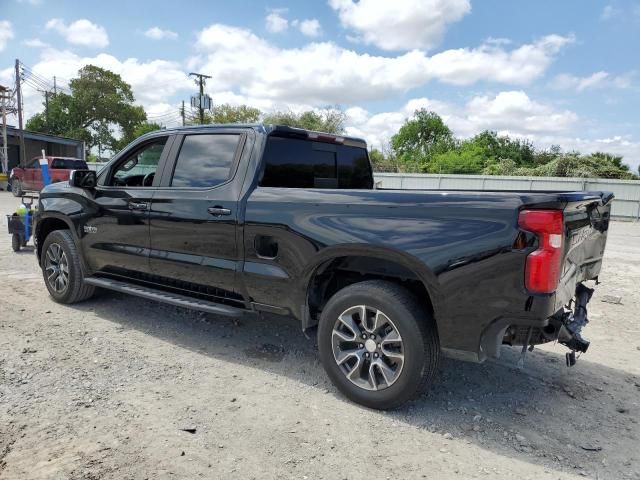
column 29, row 178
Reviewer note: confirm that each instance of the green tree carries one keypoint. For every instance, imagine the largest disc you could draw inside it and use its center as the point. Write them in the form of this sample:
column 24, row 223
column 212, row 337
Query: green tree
column 422, row 134
column 100, row 110
column 146, row 127
column 226, row 113
column 329, row 120
column 615, row 160
column 576, row 165
column 468, row 157
column 419, row 139
column 381, row 162
column 502, row 147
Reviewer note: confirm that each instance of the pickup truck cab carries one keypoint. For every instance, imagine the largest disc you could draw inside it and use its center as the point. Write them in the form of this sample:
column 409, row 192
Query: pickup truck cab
column 231, row 219
column 29, row 177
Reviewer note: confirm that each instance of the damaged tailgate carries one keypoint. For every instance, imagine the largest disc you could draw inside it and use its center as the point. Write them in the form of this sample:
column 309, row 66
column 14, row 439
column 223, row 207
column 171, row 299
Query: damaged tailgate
column 586, row 220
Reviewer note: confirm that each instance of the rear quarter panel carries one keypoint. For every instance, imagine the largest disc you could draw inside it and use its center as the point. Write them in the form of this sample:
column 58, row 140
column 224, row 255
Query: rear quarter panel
column 459, row 244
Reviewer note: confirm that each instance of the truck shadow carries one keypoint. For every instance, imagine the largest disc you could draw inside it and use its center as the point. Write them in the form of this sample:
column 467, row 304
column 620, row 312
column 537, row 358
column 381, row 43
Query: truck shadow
column 570, row 420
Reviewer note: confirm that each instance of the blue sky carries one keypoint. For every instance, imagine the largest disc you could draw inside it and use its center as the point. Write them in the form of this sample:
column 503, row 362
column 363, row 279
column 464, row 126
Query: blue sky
column 555, row 72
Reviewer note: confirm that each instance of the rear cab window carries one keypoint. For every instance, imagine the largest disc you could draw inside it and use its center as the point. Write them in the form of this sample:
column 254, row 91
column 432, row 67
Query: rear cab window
column 68, row 164
column 205, row 160
column 305, row 163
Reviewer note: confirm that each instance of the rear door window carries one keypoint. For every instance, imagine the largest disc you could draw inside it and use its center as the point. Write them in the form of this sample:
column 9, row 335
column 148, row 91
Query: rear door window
column 205, row 160
column 297, row 163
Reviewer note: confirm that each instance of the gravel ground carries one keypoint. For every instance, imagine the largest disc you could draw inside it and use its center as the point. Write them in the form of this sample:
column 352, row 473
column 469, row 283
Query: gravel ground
column 122, row 388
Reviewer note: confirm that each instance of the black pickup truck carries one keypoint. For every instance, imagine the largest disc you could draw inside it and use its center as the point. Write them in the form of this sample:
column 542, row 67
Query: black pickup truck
column 232, row 219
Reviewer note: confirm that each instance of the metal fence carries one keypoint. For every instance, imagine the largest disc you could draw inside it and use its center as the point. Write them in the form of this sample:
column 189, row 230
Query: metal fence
column 627, row 192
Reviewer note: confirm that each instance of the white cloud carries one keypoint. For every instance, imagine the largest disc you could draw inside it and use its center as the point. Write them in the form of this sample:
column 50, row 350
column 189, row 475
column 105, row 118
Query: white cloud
column 153, row 82
column 81, row 32
column 609, row 12
column 510, row 111
column 325, row 73
column 595, row 80
column 156, row 33
column 400, row 24
column 310, row 27
column 7, row 76
column 6, row 33
column 516, row 112
column 35, row 43
column 275, row 22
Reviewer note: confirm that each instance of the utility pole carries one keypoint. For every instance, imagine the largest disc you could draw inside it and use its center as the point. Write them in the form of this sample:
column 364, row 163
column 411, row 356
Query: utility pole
column 202, row 99
column 182, row 113
column 4, row 98
column 20, row 126
column 55, row 88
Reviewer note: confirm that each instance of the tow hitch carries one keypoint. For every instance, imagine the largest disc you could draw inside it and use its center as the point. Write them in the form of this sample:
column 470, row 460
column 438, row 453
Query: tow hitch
column 570, row 334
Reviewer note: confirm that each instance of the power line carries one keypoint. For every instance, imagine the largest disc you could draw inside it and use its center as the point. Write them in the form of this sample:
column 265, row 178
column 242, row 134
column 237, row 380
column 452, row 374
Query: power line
column 34, row 82
column 44, row 82
column 163, row 115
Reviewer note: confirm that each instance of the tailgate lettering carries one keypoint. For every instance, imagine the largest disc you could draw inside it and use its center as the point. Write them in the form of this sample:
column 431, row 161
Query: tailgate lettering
column 579, row 236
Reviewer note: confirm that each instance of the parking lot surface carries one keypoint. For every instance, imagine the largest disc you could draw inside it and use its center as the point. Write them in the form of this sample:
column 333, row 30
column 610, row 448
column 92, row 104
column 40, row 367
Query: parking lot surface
column 123, row 388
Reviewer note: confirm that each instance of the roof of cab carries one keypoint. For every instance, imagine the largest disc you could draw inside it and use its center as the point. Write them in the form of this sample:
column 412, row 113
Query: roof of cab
column 263, row 128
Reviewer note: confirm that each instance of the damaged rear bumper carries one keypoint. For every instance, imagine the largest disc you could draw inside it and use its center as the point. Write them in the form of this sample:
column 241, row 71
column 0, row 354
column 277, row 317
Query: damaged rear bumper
column 565, row 326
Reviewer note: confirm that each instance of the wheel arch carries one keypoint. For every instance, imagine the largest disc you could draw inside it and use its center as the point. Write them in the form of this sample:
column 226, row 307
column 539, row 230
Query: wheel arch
column 47, row 224
column 355, row 263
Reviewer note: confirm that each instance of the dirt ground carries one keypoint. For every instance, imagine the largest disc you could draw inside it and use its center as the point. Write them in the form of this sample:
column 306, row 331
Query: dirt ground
column 114, row 387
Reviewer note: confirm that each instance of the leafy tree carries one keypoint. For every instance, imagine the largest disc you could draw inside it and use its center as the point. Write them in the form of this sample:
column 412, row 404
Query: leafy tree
column 99, row 109
column 329, row 120
column 615, row 160
column 226, row 113
column 146, row 127
column 381, row 162
column 469, row 157
column 422, row 134
column 500, row 147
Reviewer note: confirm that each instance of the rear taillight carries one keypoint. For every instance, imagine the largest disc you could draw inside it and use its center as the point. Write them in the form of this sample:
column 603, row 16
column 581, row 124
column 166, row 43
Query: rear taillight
column 542, row 271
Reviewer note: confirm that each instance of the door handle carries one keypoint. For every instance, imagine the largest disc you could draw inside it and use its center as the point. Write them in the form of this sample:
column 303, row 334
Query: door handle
column 218, row 211
column 138, row 206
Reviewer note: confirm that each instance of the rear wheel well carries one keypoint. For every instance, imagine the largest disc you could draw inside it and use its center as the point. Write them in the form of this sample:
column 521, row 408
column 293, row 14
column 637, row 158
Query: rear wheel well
column 45, row 227
column 340, row 272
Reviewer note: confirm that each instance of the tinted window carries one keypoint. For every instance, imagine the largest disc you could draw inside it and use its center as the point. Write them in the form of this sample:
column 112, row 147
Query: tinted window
column 354, row 170
column 205, row 160
column 296, row 163
column 68, row 164
column 138, row 168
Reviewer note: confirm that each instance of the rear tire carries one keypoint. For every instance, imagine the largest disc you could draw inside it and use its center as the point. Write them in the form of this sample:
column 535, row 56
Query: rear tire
column 387, row 360
column 62, row 269
column 16, row 188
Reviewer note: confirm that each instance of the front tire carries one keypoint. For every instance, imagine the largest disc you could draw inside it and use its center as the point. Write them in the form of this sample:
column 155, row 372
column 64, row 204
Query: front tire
column 378, row 344
column 62, row 269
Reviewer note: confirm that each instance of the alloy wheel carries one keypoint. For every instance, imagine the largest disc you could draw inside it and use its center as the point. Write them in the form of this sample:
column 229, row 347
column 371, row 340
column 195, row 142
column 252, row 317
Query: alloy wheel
column 367, row 347
column 57, row 268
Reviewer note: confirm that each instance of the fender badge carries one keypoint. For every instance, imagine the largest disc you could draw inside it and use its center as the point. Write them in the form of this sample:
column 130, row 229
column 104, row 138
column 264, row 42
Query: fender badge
column 90, row 229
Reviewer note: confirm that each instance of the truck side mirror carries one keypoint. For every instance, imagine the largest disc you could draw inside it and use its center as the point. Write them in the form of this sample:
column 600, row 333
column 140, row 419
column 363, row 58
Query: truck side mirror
column 83, row 179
